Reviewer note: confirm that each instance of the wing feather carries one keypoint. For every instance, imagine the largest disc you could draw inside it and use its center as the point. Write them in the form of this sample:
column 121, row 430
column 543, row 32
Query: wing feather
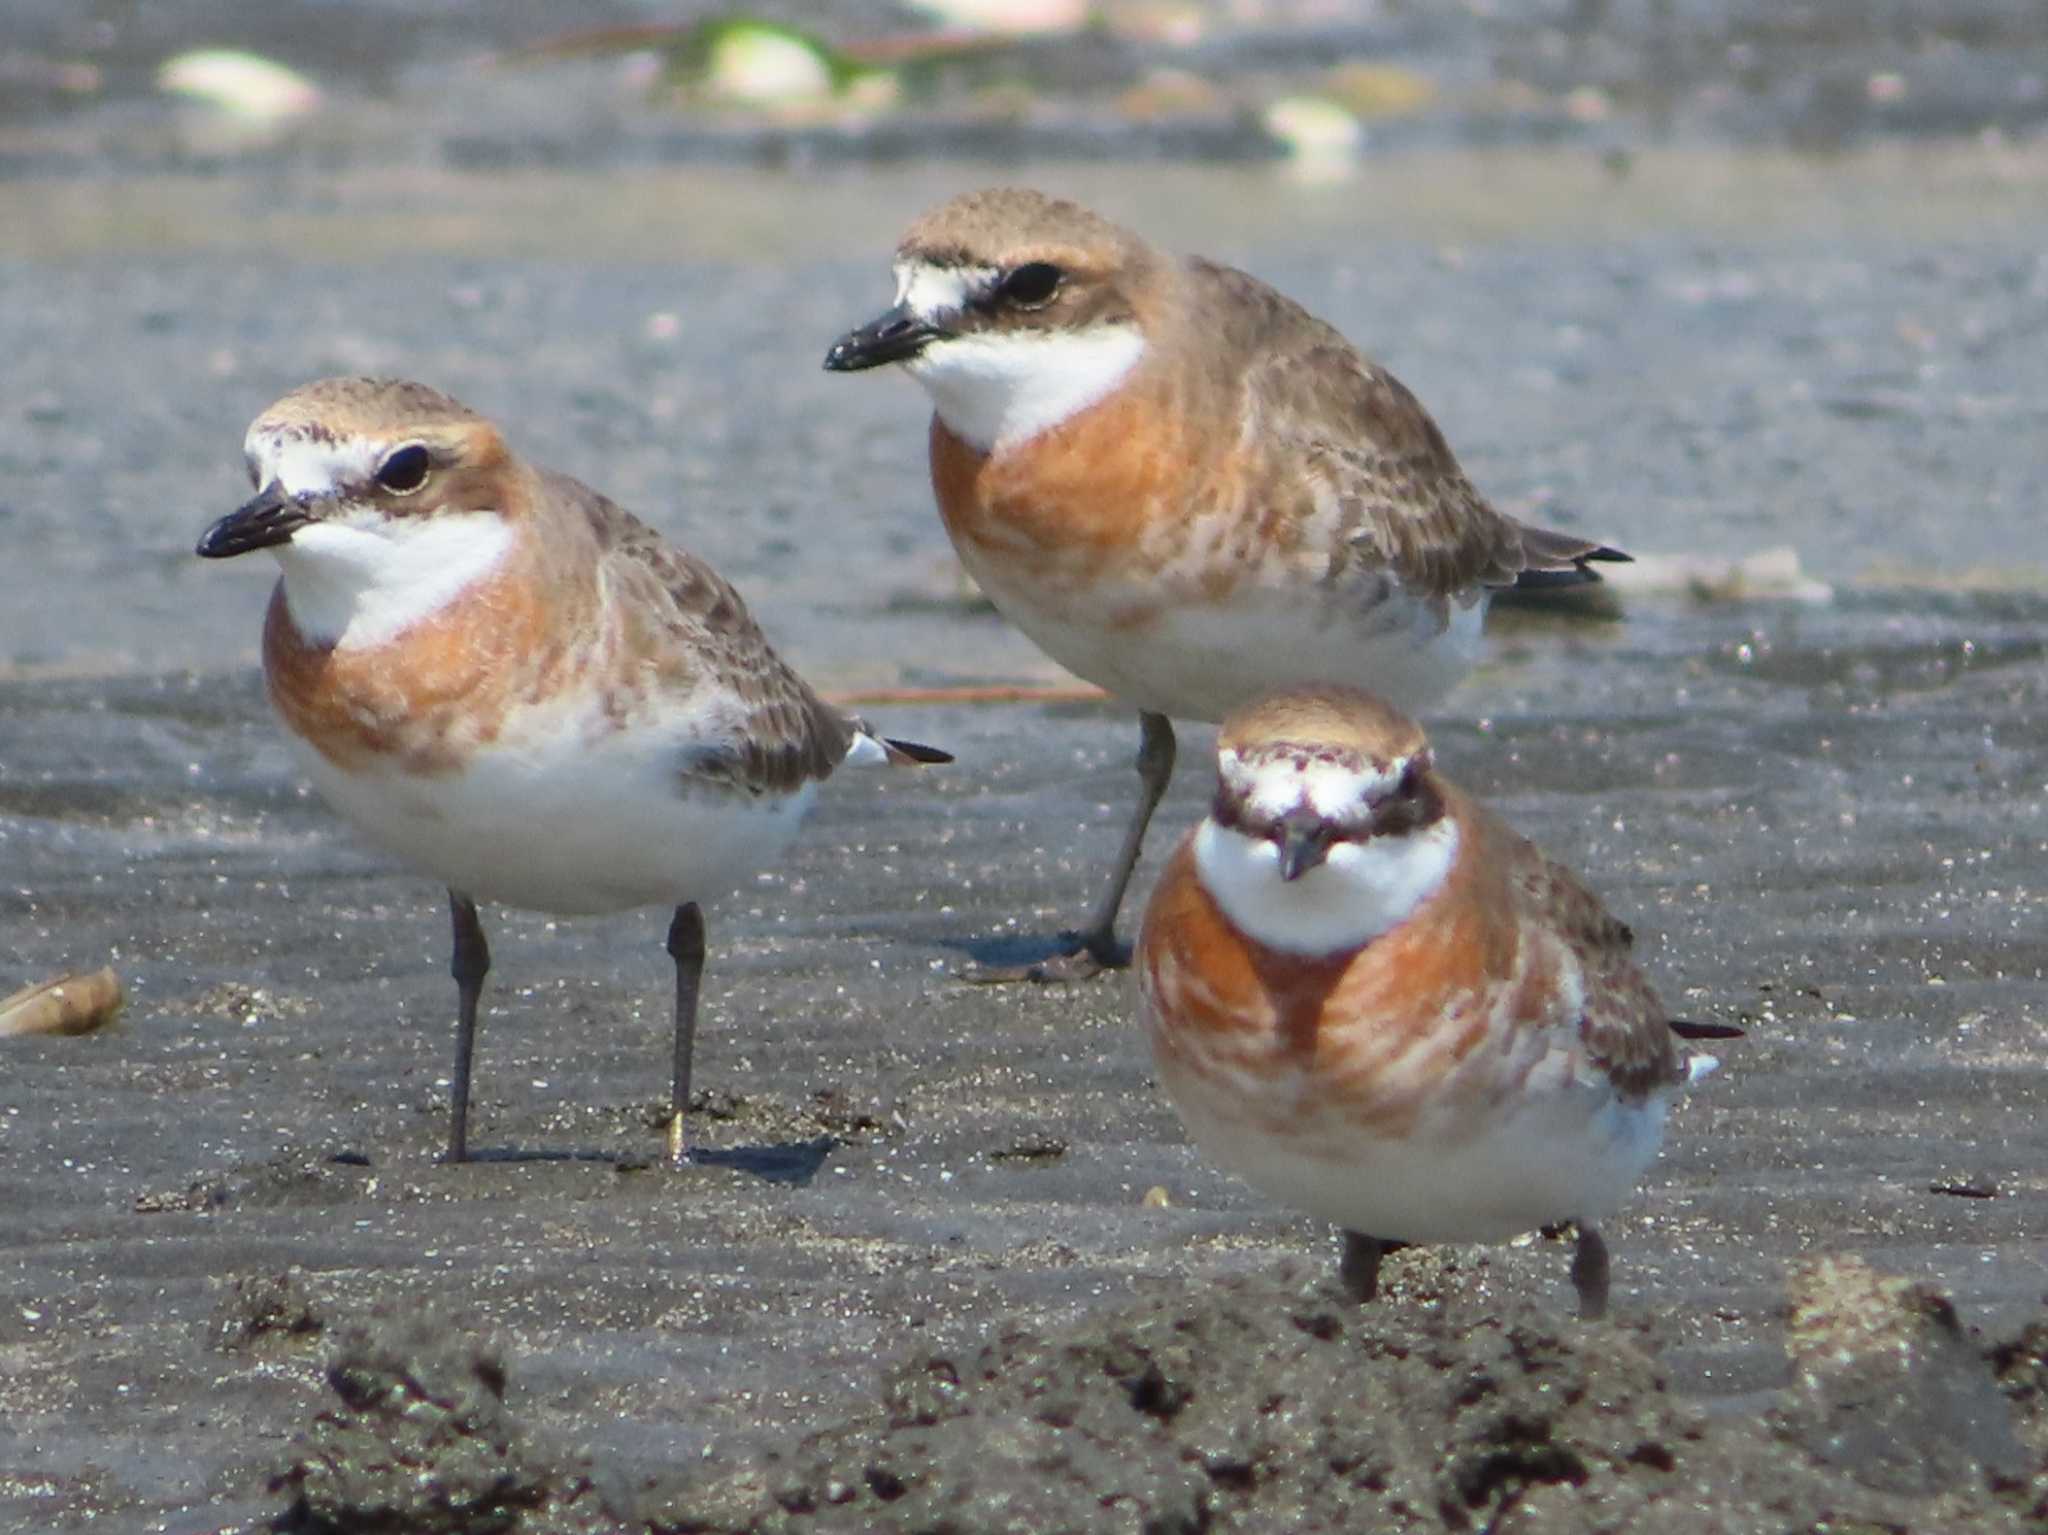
column 1380, row 472
column 1622, row 1023
column 688, row 626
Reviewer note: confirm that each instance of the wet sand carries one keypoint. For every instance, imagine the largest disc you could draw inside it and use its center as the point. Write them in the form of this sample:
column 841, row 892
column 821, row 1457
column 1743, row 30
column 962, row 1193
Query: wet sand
column 1824, row 819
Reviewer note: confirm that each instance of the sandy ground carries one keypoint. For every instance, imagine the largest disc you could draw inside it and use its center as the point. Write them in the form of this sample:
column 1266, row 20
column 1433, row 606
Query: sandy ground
column 1825, row 819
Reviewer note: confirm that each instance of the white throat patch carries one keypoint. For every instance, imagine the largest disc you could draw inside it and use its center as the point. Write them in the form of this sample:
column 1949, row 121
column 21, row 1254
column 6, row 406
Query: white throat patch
column 997, row 390
column 994, row 389
column 362, row 580
column 358, row 577
column 1361, row 891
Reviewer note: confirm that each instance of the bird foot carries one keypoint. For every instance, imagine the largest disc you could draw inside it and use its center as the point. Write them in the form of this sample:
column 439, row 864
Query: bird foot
column 1080, row 957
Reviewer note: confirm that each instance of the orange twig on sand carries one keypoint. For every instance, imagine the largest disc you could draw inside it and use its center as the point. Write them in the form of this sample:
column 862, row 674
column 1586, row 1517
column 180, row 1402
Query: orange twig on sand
column 991, row 693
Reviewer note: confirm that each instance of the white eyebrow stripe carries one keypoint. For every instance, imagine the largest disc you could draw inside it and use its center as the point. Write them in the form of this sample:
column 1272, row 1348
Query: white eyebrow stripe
column 1333, row 790
column 1326, row 788
column 304, row 467
column 929, row 291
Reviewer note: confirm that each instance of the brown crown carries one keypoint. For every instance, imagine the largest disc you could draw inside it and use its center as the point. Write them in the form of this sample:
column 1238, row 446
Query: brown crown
column 1004, row 226
column 331, row 408
column 1345, row 719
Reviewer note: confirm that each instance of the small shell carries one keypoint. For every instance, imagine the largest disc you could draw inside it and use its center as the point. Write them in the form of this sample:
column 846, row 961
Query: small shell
column 70, row 1004
column 245, row 86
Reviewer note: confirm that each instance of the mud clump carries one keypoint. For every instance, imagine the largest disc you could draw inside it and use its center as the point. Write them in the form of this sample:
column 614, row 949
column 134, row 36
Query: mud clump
column 267, row 1308
column 423, row 1444
column 2021, row 1368
column 1887, row 1386
column 1275, row 1404
column 1258, row 1405
column 1264, row 1404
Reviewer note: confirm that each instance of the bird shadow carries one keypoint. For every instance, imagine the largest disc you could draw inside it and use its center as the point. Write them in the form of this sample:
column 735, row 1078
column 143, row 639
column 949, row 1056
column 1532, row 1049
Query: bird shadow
column 999, row 957
column 795, row 1163
column 624, row 1161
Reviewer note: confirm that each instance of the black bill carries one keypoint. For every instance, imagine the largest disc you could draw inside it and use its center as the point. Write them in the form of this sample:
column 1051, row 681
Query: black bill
column 892, row 337
column 269, row 519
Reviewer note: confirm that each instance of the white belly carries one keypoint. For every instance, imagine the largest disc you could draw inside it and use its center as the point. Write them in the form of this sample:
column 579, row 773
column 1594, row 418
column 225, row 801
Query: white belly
column 1201, row 659
column 557, row 821
column 1572, row 1151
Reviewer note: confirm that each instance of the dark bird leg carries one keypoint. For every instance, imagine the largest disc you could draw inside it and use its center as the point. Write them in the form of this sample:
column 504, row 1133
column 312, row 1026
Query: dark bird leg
column 470, row 964
column 686, row 948
column 1155, row 772
column 1590, row 1273
column 1094, row 948
column 1359, row 1269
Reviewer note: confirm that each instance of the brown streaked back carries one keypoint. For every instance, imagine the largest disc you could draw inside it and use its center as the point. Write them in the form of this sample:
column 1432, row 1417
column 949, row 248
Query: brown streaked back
column 685, row 624
column 1623, row 1023
column 1341, row 434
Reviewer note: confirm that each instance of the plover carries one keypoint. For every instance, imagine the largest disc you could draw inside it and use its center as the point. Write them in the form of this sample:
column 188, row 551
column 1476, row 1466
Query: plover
column 512, row 684
column 1374, row 1001
column 1181, row 484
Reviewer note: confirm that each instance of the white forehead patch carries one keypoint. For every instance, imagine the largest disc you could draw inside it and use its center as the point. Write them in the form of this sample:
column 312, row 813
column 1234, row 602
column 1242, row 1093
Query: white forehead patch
column 929, row 291
column 994, row 389
column 1276, row 785
column 305, row 467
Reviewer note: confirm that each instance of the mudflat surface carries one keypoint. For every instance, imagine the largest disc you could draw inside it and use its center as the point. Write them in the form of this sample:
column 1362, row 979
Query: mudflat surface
column 1825, row 818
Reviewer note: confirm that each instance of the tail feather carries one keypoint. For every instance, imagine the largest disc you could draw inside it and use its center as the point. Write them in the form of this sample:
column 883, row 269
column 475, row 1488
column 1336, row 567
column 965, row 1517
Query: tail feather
column 867, row 749
column 911, row 753
column 1686, row 1028
column 1698, row 1067
column 1551, row 558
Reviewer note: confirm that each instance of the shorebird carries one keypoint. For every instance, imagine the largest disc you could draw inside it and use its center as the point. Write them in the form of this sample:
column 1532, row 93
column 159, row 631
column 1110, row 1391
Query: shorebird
column 1374, row 1001
column 501, row 677
column 1182, row 485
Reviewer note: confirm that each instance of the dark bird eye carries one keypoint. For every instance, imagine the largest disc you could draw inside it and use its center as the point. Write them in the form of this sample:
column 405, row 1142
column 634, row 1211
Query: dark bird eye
column 1033, row 283
column 404, row 471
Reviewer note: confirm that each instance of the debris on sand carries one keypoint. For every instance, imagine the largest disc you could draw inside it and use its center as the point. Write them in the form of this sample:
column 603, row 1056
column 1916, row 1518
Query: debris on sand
column 70, row 1004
